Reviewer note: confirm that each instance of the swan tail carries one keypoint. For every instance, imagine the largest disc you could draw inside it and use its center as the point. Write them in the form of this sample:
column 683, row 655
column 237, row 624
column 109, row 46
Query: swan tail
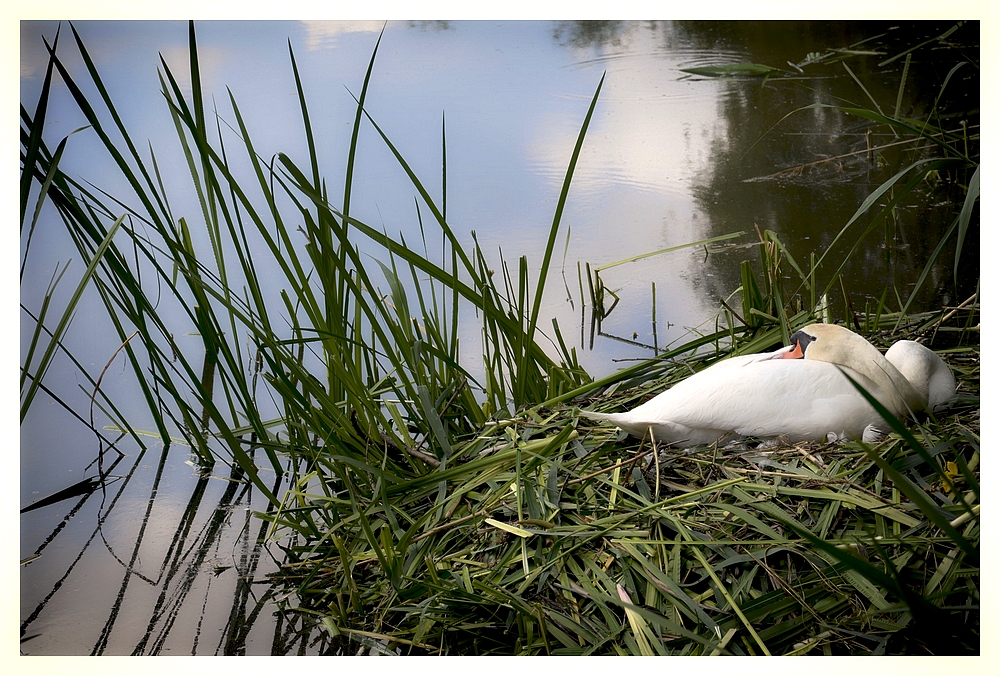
column 606, row 417
column 620, row 419
column 623, row 420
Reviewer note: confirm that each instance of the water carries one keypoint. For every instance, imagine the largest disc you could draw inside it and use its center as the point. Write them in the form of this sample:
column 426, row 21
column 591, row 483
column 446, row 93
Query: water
column 166, row 560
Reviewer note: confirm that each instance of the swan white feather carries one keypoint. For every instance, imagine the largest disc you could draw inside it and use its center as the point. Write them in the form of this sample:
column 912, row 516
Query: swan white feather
column 798, row 393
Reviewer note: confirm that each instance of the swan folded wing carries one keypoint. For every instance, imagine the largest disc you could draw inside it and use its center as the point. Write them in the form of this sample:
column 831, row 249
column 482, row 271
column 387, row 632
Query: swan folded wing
column 655, row 415
column 765, row 398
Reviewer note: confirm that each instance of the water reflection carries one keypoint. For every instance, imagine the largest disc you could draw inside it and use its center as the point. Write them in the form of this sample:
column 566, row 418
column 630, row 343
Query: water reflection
column 168, row 560
column 593, row 34
column 321, row 35
column 804, row 175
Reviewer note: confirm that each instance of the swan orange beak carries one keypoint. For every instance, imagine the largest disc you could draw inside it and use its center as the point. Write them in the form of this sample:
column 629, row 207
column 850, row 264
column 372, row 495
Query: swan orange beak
column 794, row 352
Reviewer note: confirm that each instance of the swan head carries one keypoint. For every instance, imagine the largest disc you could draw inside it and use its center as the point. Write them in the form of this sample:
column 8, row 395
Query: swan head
column 834, row 344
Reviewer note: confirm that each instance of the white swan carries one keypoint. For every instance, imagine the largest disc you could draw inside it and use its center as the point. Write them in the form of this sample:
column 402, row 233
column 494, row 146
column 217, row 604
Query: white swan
column 798, row 393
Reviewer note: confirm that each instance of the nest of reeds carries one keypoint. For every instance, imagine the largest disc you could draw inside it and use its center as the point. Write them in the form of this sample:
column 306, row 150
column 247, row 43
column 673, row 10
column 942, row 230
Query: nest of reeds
column 549, row 534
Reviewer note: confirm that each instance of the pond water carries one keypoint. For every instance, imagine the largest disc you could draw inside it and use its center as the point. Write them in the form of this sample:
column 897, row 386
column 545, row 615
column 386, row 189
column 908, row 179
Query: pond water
column 166, row 559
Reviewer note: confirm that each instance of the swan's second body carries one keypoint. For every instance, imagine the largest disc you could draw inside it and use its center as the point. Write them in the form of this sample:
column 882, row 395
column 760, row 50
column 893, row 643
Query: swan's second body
column 798, row 393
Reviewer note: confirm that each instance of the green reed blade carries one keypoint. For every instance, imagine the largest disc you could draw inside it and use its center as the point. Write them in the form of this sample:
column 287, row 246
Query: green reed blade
column 907, row 487
column 543, row 270
column 66, row 318
column 965, row 216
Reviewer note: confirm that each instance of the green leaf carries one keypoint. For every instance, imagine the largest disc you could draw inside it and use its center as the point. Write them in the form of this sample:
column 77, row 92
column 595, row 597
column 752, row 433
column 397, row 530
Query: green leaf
column 734, row 69
column 971, row 197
